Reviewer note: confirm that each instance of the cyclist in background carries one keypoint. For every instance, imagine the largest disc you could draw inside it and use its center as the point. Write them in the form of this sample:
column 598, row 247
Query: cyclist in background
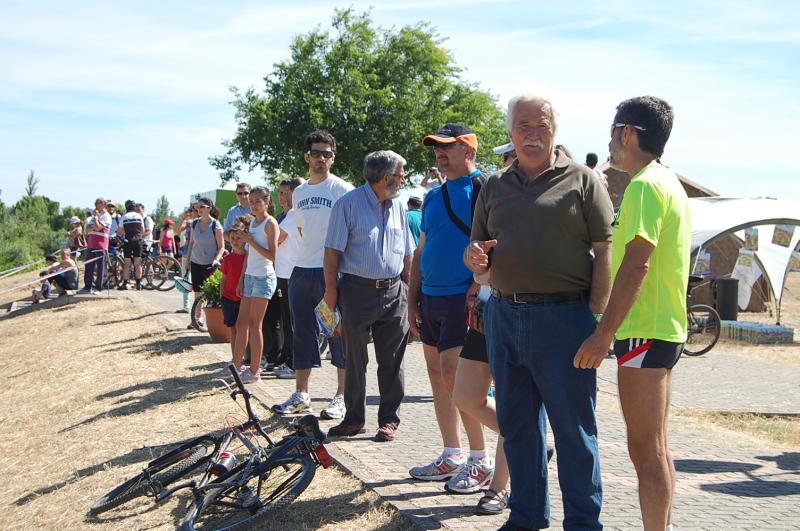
column 131, row 230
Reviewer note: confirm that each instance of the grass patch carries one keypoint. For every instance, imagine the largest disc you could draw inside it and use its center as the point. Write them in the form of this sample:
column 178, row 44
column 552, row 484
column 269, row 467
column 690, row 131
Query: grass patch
column 781, row 429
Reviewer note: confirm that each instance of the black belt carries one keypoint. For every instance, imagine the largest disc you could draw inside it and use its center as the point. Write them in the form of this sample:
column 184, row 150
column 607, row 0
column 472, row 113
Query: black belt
column 541, row 298
column 379, row 283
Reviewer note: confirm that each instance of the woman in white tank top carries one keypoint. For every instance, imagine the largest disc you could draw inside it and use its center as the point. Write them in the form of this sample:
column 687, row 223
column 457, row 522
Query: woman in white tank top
column 257, row 283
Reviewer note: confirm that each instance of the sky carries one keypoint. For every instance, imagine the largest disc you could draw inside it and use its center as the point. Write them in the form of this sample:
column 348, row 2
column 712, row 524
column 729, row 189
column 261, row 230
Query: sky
column 128, row 100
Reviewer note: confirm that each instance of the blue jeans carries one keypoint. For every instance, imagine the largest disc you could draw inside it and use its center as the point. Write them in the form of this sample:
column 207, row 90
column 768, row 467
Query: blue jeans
column 531, row 348
column 306, row 288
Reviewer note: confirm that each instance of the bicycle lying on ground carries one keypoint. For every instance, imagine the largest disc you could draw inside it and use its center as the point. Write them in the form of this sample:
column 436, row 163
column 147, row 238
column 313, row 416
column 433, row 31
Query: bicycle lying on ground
column 233, row 492
column 704, row 325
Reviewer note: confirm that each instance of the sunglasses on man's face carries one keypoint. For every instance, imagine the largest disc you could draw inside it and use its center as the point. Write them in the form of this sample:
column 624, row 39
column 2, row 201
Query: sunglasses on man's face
column 242, row 193
column 317, row 153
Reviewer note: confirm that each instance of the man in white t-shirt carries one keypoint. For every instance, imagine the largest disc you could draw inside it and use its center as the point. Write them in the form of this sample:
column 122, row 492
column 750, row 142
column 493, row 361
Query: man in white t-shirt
column 312, row 203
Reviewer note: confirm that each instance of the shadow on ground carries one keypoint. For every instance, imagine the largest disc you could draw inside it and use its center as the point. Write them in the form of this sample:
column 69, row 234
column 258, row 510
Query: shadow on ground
column 753, row 486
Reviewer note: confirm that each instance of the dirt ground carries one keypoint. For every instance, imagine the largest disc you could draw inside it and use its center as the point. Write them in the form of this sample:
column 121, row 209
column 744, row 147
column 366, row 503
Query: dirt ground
column 93, row 391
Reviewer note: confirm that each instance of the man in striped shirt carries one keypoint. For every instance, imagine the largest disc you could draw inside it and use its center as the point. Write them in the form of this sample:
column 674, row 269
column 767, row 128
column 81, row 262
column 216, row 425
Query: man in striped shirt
column 369, row 243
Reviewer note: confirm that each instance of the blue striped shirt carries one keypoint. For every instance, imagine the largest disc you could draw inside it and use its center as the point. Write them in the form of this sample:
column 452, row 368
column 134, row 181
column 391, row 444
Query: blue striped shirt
column 372, row 237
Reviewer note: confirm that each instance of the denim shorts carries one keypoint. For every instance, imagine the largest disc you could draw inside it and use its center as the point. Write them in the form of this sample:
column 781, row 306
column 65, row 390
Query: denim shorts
column 261, row 287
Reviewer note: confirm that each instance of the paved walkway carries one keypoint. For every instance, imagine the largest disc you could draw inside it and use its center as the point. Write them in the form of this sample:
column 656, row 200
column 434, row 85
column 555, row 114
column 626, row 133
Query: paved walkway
column 724, row 481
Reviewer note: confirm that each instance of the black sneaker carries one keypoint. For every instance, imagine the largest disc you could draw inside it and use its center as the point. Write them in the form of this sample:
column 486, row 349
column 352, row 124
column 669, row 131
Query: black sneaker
column 138, row 286
column 123, row 287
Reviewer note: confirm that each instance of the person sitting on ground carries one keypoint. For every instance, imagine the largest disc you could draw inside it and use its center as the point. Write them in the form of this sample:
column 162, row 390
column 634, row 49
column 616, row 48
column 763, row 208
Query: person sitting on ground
column 44, row 292
column 67, row 279
column 167, row 241
column 232, row 267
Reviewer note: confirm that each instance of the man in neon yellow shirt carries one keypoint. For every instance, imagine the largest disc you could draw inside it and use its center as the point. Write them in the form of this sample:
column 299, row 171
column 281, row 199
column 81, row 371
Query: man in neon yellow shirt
column 646, row 313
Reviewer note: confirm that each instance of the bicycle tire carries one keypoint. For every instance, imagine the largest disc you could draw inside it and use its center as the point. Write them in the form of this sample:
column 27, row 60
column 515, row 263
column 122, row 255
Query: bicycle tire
column 172, row 269
column 113, row 272
column 704, row 327
column 197, row 308
column 276, row 484
column 151, row 276
column 182, row 463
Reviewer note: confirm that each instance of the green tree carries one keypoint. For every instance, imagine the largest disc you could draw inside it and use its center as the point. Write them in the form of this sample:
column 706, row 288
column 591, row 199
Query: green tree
column 373, row 88
column 32, row 184
column 162, row 211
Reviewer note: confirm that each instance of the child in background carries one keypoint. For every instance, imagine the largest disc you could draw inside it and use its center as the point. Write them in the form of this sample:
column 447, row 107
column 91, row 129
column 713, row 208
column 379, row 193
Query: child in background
column 44, row 293
column 232, row 266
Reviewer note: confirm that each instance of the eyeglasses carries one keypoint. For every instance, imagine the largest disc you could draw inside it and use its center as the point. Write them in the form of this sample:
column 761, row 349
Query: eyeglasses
column 319, row 153
column 203, row 206
column 403, row 175
column 242, row 193
column 445, row 147
column 615, row 125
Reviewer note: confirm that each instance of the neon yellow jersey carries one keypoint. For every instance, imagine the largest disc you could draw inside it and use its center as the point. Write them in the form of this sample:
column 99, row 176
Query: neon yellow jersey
column 655, row 207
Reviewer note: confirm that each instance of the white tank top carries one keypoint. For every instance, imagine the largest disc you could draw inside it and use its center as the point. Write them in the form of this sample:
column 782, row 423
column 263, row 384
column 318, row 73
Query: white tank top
column 257, row 265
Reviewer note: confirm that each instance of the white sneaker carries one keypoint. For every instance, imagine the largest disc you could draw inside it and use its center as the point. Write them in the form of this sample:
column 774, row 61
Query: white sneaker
column 476, row 475
column 297, row 403
column 335, row 409
column 284, row 372
column 248, row 377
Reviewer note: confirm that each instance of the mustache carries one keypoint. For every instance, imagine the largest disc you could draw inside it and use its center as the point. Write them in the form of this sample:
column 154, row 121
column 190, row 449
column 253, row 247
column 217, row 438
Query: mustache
column 534, row 143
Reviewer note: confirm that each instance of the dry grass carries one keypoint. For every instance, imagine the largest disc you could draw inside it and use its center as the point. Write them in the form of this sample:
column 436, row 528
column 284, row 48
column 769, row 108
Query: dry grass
column 776, row 429
column 94, row 391
column 15, row 280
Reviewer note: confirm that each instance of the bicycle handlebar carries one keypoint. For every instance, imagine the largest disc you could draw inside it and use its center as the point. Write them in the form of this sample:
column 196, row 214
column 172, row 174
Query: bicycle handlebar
column 246, row 394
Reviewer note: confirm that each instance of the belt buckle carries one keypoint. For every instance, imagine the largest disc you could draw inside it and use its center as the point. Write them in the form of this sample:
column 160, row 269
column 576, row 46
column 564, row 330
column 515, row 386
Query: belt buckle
column 382, row 283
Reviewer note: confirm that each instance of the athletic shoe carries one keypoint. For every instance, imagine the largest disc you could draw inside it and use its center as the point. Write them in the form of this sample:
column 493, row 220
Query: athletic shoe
column 138, row 286
column 284, row 372
column 335, row 409
column 123, row 287
column 476, row 475
column 95, row 292
column 248, row 377
column 441, row 468
column 182, row 310
column 297, row 403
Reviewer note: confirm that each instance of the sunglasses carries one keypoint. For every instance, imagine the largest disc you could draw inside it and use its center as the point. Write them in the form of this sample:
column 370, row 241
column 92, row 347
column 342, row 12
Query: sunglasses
column 446, row 147
column 242, row 193
column 319, row 153
column 203, row 206
column 615, row 125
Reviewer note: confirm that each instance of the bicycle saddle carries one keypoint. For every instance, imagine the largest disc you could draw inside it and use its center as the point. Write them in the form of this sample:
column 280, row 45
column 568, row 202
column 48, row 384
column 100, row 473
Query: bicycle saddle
column 308, row 426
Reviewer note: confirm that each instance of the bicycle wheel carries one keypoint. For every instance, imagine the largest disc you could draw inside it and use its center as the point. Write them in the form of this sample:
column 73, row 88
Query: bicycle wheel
column 704, row 328
column 198, row 321
column 113, row 276
column 172, row 269
column 161, row 474
column 153, row 274
column 254, row 499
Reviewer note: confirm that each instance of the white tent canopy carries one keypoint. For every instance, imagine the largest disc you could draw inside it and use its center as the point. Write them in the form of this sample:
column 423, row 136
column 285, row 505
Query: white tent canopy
column 717, row 217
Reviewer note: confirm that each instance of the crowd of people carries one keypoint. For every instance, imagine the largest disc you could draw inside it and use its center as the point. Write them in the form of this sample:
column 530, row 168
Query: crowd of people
column 518, row 285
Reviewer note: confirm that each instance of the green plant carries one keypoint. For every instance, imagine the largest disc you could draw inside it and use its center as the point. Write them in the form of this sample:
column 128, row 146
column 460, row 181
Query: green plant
column 211, row 289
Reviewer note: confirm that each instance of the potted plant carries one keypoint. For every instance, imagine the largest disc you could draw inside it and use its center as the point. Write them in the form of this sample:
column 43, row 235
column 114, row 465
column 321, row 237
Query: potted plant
column 212, row 309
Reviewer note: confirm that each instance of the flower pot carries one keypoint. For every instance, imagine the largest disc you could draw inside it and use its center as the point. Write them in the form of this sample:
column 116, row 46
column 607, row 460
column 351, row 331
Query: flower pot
column 216, row 327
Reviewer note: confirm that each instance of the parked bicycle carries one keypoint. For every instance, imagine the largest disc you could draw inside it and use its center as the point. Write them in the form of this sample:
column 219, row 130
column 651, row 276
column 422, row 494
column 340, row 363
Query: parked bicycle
column 233, row 491
column 704, row 325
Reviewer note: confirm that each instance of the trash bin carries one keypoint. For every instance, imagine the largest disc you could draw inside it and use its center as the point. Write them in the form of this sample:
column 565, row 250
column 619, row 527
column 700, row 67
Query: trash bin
column 725, row 298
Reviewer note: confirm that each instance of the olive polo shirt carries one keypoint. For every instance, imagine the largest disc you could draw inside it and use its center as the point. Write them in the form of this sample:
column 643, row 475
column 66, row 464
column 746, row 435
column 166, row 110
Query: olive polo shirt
column 544, row 227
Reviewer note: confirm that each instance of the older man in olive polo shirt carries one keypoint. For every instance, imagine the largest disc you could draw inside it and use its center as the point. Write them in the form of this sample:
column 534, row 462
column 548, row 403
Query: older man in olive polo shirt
column 544, row 227
column 369, row 242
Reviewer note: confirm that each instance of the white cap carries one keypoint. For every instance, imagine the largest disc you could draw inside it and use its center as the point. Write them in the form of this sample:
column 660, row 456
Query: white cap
column 74, row 219
column 505, row 148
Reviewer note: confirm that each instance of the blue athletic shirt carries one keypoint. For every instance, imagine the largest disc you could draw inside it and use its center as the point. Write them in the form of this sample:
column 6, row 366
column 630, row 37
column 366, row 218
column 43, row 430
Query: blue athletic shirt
column 443, row 270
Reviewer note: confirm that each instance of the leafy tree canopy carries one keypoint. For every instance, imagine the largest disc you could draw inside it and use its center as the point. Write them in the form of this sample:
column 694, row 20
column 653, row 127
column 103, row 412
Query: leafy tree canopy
column 372, row 88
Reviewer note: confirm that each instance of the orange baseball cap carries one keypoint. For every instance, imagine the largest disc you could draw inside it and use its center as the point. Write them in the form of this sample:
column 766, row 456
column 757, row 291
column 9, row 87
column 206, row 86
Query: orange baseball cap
column 450, row 133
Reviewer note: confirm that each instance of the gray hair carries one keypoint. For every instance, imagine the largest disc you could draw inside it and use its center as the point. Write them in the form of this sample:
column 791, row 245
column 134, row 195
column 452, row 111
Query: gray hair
column 379, row 163
column 530, row 98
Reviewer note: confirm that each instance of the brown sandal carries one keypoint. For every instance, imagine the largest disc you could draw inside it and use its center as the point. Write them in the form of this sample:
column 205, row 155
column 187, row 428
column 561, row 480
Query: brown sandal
column 492, row 503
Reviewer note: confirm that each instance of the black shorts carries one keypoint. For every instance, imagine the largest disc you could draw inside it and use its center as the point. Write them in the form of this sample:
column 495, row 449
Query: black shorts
column 199, row 275
column 132, row 248
column 647, row 353
column 230, row 311
column 444, row 320
column 475, row 347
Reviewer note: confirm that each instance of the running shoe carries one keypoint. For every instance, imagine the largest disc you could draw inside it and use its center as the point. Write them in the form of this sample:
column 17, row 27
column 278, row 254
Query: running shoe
column 297, row 403
column 284, row 372
column 335, row 409
column 476, row 475
column 248, row 377
column 441, row 468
